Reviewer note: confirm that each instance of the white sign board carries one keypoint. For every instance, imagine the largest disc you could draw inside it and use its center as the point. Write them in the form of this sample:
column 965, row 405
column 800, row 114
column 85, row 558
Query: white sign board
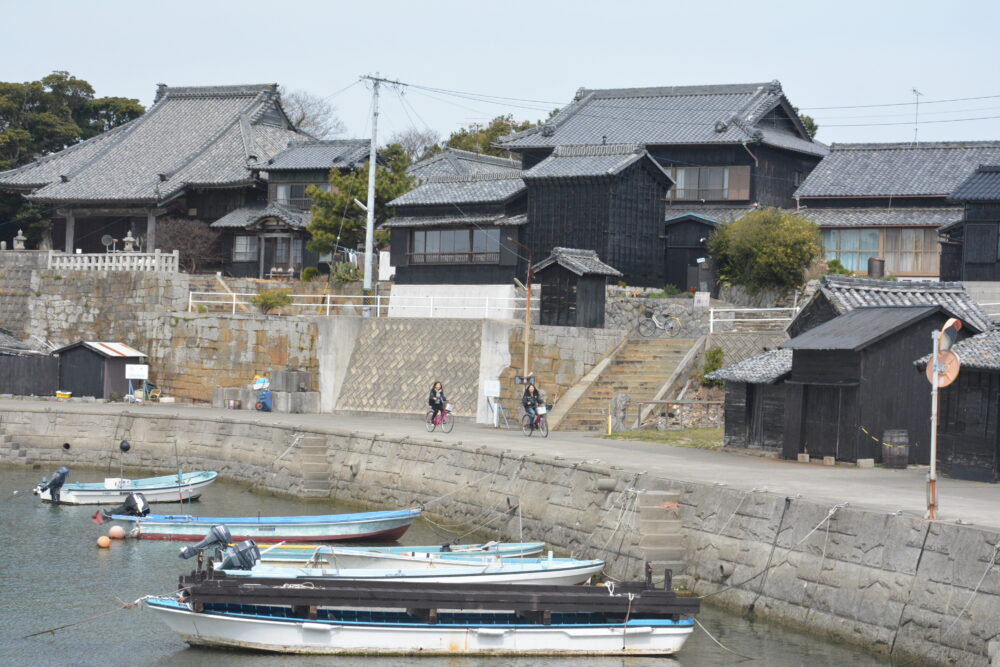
column 701, row 299
column 136, row 371
column 491, row 388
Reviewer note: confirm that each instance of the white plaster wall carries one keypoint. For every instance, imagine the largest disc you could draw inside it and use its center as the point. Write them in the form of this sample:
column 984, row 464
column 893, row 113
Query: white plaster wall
column 337, row 339
column 454, row 301
column 494, row 357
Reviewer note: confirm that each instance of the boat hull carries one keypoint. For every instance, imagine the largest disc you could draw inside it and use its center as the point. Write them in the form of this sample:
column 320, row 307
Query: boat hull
column 97, row 494
column 357, row 558
column 287, row 635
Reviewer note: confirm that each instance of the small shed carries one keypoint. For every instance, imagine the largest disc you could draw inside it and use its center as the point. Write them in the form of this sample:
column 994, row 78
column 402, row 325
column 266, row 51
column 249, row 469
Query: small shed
column 25, row 371
column 573, row 287
column 687, row 262
column 968, row 433
column 853, row 378
column 91, row 368
column 754, row 413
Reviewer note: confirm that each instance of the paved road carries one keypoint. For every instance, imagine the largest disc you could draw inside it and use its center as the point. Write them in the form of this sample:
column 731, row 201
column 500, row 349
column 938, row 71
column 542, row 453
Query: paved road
column 881, row 489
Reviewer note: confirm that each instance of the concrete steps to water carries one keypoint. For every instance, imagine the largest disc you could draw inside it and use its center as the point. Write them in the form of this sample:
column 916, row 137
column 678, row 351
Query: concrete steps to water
column 640, row 370
column 314, row 466
column 662, row 538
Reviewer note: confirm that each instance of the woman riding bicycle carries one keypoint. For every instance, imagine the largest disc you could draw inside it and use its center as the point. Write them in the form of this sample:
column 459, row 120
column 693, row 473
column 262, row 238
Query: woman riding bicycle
column 531, row 399
column 437, row 399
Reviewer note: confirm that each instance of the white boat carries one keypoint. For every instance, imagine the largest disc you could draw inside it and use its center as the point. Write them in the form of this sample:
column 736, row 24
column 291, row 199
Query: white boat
column 528, row 571
column 113, row 490
column 304, row 552
column 346, row 631
column 359, row 557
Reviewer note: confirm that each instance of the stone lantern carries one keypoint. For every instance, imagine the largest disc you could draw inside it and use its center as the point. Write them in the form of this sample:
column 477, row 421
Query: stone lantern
column 129, row 242
column 19, row 240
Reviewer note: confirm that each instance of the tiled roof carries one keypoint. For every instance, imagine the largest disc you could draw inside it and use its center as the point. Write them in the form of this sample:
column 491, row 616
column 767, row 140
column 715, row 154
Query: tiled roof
column 905, row 169
column 882, row 217
column 10, row 345
column 983, row 185
column 846, row 294
column 454, row 162
column 981, row 352
column 473, row 189
column 713, row 214
column 859, row 328
column 243, row 218
column 724, row 114
column 314, row 154
column 203, row 136
column 580, row 262
column 763, row 368
column 592, row 161
column 456, row 220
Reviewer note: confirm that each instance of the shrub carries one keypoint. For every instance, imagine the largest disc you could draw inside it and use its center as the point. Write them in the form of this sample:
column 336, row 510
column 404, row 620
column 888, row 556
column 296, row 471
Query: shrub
column 309, row 273
column 345, row 272
column 622, row 283
column 766, row 248
column 269, row 299
column 713, row 362
column 834, row 267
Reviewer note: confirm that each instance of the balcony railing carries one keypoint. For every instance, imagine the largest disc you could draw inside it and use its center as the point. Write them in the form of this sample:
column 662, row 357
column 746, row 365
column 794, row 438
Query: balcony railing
column 455, row 257
column 115, row 261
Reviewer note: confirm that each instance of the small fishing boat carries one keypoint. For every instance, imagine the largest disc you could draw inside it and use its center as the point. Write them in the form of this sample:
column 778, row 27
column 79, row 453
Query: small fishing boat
column 389, row 525
column 347, row 631
column 524, row 571
column 181, row 487
column 321, row 553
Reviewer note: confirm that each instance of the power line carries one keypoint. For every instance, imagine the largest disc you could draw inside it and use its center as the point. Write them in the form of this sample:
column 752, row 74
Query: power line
column 923, row 122
column 902, row 104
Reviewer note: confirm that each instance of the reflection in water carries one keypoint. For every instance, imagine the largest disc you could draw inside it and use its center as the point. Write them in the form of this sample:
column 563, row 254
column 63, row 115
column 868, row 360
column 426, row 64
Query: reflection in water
column 53, row 574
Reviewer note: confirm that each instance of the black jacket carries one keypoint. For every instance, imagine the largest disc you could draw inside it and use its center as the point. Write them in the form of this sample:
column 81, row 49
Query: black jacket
column 436, row 398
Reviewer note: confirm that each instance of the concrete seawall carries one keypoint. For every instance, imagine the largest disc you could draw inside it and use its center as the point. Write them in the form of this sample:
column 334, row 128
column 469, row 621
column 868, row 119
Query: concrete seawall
column 895, row 584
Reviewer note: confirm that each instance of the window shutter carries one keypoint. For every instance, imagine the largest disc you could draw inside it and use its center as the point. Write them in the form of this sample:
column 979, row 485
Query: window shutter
column 980, row 244
column 739, row 183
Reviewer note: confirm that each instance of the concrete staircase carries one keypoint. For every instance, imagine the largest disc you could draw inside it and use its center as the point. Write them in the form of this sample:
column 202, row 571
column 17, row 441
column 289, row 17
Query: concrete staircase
column 315, row 467
column 662, row 539
column 639, row 369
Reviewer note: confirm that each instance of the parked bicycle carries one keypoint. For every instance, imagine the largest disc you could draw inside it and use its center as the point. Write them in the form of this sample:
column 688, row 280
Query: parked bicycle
column 539, row 423
column 443, row 419
column 668, row 324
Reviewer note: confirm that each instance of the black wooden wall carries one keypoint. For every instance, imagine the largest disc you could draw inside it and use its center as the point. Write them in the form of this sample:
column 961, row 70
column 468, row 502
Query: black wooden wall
column 968, row 442
column 684, row 247
column 29, row 375
column 81, row 371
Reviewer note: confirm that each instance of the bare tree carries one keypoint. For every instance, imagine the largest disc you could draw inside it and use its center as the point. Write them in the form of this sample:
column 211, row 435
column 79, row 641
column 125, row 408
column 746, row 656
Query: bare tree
column 417, row 144
column 311, row 113
column 197, row 243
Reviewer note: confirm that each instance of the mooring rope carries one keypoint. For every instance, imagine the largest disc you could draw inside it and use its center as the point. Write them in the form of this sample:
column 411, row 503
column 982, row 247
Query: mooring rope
column 721, row 645
column 124, row 605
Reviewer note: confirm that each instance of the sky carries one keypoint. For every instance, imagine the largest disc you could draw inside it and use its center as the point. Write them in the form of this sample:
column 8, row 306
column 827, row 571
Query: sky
column 828, row 56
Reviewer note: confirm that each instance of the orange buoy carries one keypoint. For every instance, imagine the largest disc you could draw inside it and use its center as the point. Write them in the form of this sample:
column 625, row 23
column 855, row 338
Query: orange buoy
column 104, row 541
column 116, row 533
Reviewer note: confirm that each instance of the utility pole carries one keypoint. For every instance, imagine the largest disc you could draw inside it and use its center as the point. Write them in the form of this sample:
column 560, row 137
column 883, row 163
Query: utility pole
column 916, row 113
column 370, row 221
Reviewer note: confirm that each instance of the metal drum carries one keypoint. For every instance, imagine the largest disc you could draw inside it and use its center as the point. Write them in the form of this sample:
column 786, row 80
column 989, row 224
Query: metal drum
column 895, row 448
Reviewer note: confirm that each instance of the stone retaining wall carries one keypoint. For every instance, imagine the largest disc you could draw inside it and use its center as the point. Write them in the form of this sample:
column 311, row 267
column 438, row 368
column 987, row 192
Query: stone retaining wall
column 894, row 584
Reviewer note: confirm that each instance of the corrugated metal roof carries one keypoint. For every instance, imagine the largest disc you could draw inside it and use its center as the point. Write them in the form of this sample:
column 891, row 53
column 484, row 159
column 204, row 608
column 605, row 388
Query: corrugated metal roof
column 105, row 348
column 722, row 114
column 579, row 261
column 904, row 169
column 859, row 328
column 882, row 217
column 763, row 368
column 983, row 185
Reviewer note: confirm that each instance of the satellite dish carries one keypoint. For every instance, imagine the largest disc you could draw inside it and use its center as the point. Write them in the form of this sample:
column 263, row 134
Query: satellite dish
column 108, row 241
column 951, row 363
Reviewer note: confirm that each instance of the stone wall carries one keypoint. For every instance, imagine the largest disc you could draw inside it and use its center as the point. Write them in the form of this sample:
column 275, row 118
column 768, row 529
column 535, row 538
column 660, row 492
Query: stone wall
column 23, row 259
column 623, row 311
column 895, row 584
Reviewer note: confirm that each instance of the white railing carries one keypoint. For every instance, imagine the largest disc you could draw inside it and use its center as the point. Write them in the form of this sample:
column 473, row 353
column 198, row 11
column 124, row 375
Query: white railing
column 115, row 261
column 769, row 315
column 991, row 310
column 487, row 307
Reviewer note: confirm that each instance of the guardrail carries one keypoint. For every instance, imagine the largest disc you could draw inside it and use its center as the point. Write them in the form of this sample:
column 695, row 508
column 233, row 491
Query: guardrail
column 379, row 306
column 996, row 310
column 115, row 261
column 714, row 320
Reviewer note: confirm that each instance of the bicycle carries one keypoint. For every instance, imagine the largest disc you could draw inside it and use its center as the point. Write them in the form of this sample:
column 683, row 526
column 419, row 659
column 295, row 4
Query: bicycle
column 539, row 423
column 668, row 324
column 443, row 419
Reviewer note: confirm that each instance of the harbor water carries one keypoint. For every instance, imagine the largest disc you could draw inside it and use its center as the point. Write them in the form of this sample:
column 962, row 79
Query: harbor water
column 53, row 575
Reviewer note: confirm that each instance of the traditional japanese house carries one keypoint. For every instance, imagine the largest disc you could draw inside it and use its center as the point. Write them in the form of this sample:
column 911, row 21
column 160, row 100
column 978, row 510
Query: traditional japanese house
column 269, row 238
column 187, row 156
column 728, row 148
column 888, row 201
column 969, row 411
column 837, row 295
column 970, row 246
column 754, row 413
column 853, row 378
column 573, row 288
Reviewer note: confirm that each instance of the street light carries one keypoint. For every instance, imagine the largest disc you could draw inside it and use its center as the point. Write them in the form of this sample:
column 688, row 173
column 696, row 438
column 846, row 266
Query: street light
column 527, row 307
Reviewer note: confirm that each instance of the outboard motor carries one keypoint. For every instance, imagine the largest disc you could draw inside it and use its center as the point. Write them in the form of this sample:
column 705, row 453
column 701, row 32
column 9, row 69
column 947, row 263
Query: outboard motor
column 219, row 537
column 243, row 556
column 135, row 505
column 55, row 484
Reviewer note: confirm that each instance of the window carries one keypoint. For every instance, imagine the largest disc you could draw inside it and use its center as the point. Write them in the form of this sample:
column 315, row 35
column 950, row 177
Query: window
column 245, row 249
column 907, row 251
column 294, row 194
column 297, row 252
column 711, row 183
column 455, row 246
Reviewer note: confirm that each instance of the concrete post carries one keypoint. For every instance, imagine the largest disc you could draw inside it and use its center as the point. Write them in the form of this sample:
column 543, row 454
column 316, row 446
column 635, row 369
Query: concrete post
column 150, row 231
column 70, row 230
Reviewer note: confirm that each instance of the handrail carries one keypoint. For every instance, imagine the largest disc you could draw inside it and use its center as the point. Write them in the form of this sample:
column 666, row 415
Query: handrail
column 713, row 319
column 115, row 261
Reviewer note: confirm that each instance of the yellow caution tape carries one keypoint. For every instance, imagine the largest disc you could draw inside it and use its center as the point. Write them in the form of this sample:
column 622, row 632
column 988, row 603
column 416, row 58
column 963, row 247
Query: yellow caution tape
column 887, row 444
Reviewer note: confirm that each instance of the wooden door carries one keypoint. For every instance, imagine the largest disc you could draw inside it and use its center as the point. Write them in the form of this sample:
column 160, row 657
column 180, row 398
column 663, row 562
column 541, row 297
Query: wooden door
column 824, row 415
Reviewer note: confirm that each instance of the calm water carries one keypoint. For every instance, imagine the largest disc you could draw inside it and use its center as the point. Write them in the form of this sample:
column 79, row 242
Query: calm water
column 51, row 574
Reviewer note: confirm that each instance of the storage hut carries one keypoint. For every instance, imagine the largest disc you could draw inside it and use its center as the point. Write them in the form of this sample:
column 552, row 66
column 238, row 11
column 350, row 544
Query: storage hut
column 968, row 434
column 573, row 287
column 853, row 378
column 25, row 371
column 90, row 368
column 754, row 413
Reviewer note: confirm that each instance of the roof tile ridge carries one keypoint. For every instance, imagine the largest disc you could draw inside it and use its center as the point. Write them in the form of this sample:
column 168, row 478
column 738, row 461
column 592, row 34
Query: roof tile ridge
column 594, row 150
column 235, row 90
column 669, row 91
column 475, row 177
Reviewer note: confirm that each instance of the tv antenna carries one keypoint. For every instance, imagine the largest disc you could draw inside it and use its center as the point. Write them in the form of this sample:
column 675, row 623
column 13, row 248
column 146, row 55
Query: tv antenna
column 109, row 243
column 916, row 113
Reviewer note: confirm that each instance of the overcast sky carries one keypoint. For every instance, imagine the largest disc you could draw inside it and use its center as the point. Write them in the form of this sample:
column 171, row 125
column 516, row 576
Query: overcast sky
column 826, row 54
